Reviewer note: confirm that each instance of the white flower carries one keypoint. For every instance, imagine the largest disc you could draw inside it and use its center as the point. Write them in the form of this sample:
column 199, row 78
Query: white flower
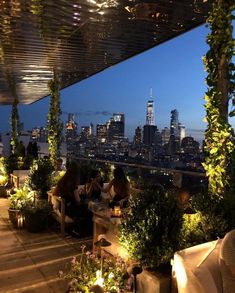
column 111, row 275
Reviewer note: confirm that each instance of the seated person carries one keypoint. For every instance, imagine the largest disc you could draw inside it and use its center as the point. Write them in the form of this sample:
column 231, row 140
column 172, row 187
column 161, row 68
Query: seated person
column 59, row 166
column 67, row 187
column 121, row 188
column 183, row 198
column 94, row 186
column 227, row 262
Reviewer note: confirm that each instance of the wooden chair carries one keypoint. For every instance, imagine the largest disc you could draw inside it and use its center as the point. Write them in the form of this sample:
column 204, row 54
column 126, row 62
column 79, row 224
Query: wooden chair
column 58, row 204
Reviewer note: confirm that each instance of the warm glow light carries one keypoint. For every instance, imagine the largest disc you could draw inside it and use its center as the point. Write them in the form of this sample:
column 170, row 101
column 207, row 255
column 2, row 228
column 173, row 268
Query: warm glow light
column 117, row 211
column 20, row 221
column 3, row 179
column 99, row 280
column 180, row 272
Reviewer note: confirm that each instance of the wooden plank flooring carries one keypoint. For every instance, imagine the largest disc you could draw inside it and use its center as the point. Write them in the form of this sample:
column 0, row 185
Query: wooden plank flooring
column 30, row 262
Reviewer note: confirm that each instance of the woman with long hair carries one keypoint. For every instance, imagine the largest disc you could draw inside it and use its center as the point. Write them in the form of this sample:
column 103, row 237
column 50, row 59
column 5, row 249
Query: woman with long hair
column 94, row 186
column 67, row 187
column 121, row 188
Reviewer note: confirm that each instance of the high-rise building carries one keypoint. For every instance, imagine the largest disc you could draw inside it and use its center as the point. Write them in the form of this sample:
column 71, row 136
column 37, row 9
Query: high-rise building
column 71, row 134
column 150, row 113
column 189, row 145
column 174, row 123
column 150, row 128
column 101, row 133
column 149, row 134
column 182, row 132
column 85, row 132
column 116, row 127
column 40, row 134
column 138, row 136
column 91, row 129
column 165, row 135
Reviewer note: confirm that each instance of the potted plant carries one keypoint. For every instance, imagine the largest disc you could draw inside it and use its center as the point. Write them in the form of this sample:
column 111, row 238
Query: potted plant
column 17, row 201
column 36, row 215
column 150, row 230
column 3, row 178
column 40, row 177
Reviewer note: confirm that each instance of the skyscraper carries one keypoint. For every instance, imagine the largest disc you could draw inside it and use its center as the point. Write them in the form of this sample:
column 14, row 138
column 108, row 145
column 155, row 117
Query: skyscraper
column 182, row 132
column 174, row 124
column 150, row 127
column 116, row 126
column 85, row 133
column 101, row 132
column 150, row 113
column 165, row 135
column 174, row 142
column 138, row 136
column 71, row 134
column 149, row 134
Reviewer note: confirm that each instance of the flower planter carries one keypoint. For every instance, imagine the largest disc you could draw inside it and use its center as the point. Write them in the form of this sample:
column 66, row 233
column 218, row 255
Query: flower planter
column 16, row 218
column 36, row 221
column 3, row 192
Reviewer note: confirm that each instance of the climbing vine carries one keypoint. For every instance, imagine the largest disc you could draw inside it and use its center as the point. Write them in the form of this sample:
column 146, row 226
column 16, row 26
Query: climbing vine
column 15, row 126
column 55, row 126
column 219, row 144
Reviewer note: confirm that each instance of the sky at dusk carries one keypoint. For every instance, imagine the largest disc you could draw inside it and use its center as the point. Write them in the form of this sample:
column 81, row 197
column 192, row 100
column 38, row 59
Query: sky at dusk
column 174, row 70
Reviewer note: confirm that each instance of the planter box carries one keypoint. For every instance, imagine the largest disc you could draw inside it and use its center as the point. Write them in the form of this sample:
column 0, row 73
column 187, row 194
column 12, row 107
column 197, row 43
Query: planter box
column 36, row 222
column 3, row 192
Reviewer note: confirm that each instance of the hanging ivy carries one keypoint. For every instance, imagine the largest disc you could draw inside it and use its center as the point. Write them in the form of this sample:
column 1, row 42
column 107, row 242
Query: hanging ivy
column 15, row 126
column 219, row 143
column 55, row 126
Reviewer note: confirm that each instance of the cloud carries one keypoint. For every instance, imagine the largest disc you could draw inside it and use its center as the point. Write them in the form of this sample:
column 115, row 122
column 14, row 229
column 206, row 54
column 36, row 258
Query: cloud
column 196, row 130
column 90, row 113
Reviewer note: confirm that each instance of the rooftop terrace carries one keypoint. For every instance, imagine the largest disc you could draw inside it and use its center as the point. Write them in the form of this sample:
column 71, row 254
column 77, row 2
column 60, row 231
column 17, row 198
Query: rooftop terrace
column 30, row 262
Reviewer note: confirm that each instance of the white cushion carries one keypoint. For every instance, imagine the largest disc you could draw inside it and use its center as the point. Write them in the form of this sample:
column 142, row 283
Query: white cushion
column 205, row 279
column 197, row 269
column 227, row 261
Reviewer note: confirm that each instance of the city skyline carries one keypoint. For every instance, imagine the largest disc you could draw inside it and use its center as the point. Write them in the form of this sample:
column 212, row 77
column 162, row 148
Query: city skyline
column 174, row 70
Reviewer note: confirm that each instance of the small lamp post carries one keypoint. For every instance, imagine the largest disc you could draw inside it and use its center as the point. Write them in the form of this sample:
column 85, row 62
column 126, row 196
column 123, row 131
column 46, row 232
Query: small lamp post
column 135, row 270
column 102, row 243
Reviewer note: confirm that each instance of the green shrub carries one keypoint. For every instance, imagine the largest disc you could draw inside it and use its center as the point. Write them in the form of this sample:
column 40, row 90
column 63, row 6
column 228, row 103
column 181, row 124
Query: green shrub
column 218, row 214
column 191, row 233
column 11, row 163
column 151, row 230
column 40, row 177
column 20, row 199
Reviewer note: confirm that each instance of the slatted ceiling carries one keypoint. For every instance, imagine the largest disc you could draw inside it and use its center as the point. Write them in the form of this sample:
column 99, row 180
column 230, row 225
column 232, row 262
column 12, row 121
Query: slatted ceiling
column 81, row 37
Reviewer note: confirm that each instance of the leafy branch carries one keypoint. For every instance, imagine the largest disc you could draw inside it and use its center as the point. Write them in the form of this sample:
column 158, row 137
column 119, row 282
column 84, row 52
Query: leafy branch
column 55, row 126
column 219, row 144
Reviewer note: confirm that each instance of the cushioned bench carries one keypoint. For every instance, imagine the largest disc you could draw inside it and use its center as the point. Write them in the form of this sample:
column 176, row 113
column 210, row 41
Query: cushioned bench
column 197, row 268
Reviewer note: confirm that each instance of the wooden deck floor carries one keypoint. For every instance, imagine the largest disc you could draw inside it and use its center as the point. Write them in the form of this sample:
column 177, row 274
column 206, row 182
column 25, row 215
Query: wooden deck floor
column 30, row 262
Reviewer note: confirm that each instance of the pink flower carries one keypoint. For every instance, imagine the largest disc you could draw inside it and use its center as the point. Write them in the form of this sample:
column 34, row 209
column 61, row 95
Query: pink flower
column 73, row 261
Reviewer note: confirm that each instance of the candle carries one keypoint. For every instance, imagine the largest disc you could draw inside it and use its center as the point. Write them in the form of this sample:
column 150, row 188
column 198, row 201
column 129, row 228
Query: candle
column 117, row 211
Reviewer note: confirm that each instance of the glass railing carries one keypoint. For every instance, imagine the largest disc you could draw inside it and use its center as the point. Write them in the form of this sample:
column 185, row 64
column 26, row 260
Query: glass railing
column 140, row 174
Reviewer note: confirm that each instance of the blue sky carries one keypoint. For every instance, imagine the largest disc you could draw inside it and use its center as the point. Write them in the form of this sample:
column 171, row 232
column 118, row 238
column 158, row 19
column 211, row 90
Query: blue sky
column 174, row 70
